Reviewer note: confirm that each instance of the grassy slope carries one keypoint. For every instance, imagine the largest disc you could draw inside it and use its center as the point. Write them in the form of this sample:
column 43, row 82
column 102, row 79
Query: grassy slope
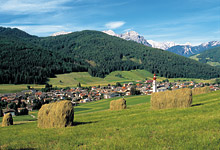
column 137, row 127
column 12, row 88
column 72, row 79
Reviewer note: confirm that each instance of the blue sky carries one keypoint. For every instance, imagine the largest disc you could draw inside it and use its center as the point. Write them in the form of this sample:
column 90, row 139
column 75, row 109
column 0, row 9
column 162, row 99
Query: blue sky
column 181, row 21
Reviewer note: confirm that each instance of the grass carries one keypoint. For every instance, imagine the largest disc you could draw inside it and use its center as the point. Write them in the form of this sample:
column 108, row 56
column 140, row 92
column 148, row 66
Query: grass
column 137, row 127
column 23, row 118
column 212, row 63
column 105, row 104
column 12, row 88
column 72, row 79
column 86, row 80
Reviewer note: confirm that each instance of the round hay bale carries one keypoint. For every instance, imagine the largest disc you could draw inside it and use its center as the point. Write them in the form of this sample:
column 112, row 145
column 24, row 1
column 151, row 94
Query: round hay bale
column 201, row 90
column 56, row 115
column 181, row 98
column 7, row 120
column 118, row 104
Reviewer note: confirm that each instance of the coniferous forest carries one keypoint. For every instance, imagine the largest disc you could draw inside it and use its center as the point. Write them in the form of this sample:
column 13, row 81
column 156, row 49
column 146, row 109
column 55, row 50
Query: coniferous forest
column 30, row 59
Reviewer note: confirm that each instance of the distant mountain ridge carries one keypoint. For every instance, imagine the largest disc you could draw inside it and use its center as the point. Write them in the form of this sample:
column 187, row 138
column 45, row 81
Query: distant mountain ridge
column 211, row 56
column 60, row 33
column 181, row 49
column 130, row 36
column 24, row 59
column 134, row 36
column 188, row 50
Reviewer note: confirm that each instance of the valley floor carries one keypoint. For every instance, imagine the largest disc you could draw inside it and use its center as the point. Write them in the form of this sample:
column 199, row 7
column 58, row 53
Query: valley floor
column 86, row 80
column 137, row 127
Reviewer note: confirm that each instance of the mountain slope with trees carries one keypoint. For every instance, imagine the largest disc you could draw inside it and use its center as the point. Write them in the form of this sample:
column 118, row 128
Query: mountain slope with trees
column 32, row 59
column 211, row 56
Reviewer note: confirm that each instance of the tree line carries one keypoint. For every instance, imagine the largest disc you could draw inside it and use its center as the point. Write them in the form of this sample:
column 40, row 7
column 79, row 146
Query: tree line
column 30, row 59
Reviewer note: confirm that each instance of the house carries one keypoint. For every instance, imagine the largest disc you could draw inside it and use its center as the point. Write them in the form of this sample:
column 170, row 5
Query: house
column 161, row 89
column 111, row 95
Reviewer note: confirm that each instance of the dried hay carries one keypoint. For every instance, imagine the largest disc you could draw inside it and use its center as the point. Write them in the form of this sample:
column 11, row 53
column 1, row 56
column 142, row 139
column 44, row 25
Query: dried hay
column 118, row 104
column 180, row 98
column 201, row 90
column 7, row 120
column 58, row 115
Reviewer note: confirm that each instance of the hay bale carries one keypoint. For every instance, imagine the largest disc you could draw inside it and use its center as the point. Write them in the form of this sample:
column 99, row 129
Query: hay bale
column 180, row 98
column 56, row 115
column 7, row 120
column 118, row 104
column 201, row 90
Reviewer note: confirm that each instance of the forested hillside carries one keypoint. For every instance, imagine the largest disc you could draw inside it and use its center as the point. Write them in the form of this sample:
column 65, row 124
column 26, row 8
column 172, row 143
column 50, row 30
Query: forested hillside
column 24, row 61
column 211, row 56
column 107, row 53
column 30, row 59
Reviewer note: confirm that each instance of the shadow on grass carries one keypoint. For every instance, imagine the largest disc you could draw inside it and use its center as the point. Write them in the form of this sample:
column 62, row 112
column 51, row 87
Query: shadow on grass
column 199, row 104
column 18, row 124
column 81, row 123
column 23, row 122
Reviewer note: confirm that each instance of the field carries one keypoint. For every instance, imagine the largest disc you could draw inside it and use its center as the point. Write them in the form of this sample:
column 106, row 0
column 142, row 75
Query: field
column 72, row 79
column 137, row 127
column 212, row 63
column 11, row 88
column 86, row 80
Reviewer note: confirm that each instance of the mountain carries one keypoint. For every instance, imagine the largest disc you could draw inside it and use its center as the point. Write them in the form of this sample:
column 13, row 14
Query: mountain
column 24, row 60
column 181, row 49
column 14, row 32
column 112, row 33
column 60, row 33
column 189, row 50
column 130, row 36
column 163, row 45
column 134, row 36
column 210, row 56
column 33, row 60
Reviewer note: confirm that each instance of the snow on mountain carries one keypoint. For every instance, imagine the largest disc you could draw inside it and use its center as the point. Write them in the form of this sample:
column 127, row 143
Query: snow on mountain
column 110, row 32
column 132, row 35
column 60, row 33
column 161, row 45
column 188, row 50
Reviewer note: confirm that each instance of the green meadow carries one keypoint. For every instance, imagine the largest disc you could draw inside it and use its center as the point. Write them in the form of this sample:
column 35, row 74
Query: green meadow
column 72, row 79
column 137, row 127
column 86, row 80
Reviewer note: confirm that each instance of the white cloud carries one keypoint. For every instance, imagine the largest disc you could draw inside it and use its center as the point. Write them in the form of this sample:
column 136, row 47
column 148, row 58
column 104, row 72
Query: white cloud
column 114, row 25
column 47, row 30
column 31, row 7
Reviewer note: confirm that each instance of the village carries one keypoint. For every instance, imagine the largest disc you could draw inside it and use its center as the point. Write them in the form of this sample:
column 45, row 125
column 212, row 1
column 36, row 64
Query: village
column 27, row 100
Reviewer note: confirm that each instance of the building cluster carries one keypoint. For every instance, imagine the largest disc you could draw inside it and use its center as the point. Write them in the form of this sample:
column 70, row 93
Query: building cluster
column 33, row 99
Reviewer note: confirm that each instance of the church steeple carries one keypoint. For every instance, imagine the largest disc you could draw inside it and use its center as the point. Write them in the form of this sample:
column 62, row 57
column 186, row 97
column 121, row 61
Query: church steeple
column 154, row 84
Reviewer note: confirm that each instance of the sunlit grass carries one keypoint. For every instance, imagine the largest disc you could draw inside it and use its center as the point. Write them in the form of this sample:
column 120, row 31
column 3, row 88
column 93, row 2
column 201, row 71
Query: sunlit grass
column 137, row 127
